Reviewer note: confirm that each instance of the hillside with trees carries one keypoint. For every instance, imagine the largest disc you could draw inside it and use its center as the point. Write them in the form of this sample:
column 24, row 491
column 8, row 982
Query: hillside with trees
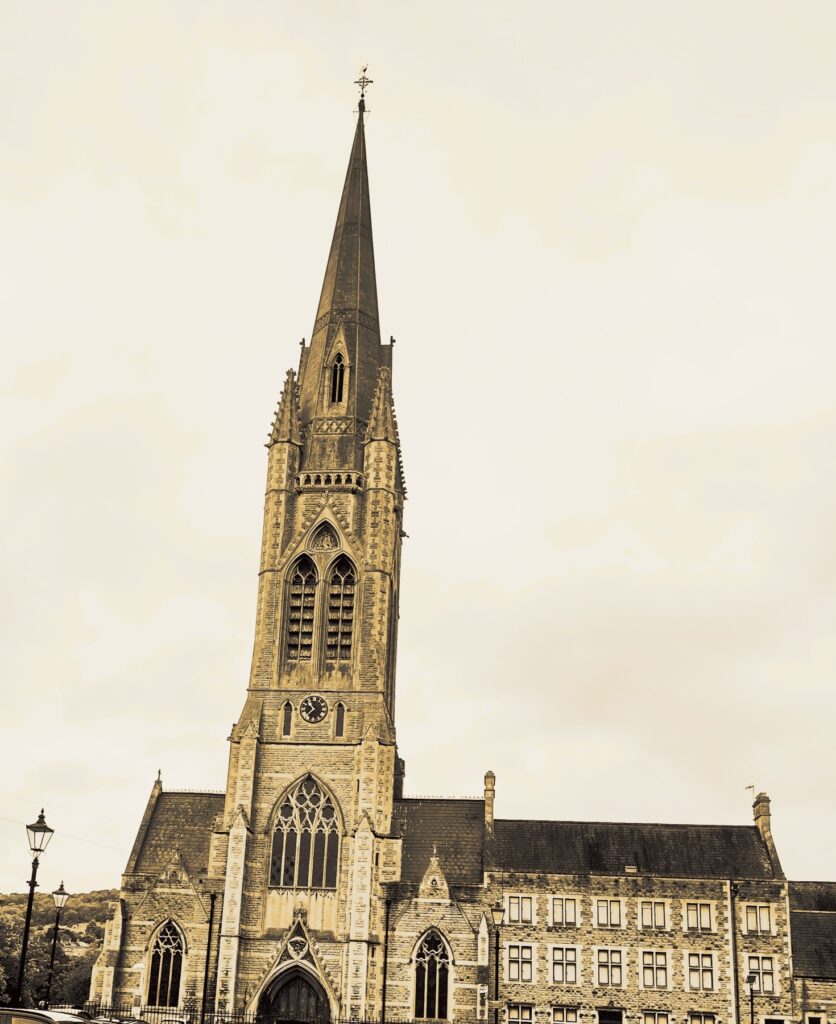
column 79, row 942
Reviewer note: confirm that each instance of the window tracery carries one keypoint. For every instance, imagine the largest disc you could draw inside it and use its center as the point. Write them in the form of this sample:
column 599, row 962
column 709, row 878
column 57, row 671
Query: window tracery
column 306, row 839
column 341, row 584
column 166, row 967
column 300, row 610
column 432, row 976
column 337, row 378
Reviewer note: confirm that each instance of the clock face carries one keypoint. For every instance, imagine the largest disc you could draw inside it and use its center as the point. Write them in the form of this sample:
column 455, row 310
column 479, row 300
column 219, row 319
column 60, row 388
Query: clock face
column 313, row 709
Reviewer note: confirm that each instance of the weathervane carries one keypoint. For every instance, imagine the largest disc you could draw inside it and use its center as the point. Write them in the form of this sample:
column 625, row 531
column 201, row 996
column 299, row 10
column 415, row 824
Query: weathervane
column 363, row 81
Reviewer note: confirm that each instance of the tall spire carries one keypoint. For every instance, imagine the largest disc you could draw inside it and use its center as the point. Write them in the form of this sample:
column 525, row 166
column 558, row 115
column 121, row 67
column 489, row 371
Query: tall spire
column 347, row 315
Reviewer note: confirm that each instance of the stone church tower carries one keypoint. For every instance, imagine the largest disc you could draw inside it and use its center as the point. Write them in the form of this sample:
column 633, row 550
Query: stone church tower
column 312, row 889
column 294, row 852
column 308, row 809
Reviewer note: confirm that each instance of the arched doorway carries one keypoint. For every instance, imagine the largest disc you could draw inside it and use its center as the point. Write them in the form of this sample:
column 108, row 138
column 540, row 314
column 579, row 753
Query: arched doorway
column 294, row 996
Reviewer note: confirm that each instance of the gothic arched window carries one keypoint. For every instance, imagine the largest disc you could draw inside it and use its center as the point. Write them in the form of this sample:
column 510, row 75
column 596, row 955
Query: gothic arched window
column 339, row 720
column 287, row 718
column 166, row 967
column 301, row 598
column 337, row 377
column 306, row 840
column 432, row 976
column 341, row 583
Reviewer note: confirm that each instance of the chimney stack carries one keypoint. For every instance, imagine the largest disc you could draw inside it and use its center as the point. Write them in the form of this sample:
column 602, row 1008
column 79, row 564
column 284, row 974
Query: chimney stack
column 763, row 821
column 490, row 793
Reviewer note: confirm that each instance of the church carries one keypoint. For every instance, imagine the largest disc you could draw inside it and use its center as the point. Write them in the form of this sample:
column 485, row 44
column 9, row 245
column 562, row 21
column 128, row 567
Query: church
column 314, row 889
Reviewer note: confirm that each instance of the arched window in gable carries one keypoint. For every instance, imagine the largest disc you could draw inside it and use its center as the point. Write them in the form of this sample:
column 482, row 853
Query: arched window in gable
column 306, row 839
column 341, row 583
column 337, row 378
column 301, row 600
column 339, row 720
column 432, row 978
column 166, row 967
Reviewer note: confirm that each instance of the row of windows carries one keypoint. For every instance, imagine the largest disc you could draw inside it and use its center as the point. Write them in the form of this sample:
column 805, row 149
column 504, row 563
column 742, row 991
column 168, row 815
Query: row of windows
column 610, row 964
column 432, row 959
column 565, row 912
column 523, row 1013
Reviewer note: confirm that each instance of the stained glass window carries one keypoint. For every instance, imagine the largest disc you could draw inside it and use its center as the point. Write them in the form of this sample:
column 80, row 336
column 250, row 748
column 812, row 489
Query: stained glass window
column 432, row 974
column 306, row 840
column 166, row 967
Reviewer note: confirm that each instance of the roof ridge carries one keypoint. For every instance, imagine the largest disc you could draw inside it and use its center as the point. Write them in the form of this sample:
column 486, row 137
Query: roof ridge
column 447, row 799
column 194, row 792
column 644, row 824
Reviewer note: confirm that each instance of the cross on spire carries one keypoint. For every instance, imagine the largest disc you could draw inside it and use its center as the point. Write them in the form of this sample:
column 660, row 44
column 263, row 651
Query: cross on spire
column 362, row 82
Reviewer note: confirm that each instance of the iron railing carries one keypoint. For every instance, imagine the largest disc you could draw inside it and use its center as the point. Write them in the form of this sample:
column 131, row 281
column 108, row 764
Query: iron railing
column 128, row 1012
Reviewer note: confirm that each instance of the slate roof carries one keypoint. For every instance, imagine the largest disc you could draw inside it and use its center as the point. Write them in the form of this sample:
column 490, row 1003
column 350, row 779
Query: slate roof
column 813, row 944
column 454, row 827
column 673, row 851
column 179, row 821
column 813, row 896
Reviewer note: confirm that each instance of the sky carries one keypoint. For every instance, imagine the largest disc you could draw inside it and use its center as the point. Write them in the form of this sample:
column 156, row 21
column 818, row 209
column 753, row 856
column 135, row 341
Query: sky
column 604, row 236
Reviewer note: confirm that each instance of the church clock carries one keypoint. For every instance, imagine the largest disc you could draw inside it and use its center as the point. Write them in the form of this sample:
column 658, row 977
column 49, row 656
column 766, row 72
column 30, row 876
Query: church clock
column 313, row 709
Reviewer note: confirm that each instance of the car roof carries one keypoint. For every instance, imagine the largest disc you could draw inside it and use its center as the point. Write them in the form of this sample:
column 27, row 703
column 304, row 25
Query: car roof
column 44, row 1016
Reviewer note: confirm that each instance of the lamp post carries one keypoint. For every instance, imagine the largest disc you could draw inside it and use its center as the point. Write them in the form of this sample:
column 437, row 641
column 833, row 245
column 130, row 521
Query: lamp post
column 212, row 897
column 39, row 835
column 751, row 978
column 59, row 898
column 498, row 915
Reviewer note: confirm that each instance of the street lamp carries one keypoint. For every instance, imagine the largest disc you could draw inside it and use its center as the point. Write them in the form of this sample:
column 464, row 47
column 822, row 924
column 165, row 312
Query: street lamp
column 39, row 835
column 498, row 915
column 751, row 978
column 59, row 898
column 212, row 897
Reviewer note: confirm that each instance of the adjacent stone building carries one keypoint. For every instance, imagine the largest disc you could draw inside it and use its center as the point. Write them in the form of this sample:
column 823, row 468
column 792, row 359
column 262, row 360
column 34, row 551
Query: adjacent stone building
column 313, row 889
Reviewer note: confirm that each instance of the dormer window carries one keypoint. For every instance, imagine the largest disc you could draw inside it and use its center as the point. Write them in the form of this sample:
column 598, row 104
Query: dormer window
column 337, row 379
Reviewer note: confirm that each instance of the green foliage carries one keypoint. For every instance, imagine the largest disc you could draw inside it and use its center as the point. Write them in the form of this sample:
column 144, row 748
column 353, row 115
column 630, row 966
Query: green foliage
column 79, row 943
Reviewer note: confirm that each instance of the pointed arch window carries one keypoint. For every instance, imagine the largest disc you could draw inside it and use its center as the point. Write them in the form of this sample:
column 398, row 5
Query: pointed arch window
column 339, row 720
column 432, row 978
column 341, row 583
column 337, row 378
column 306, row 839
column 300, row 610
column 166, row 967
column 287, row 718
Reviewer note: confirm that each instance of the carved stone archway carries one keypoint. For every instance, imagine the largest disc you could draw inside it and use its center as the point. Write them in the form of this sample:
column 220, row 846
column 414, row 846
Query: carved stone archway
column 295, row 995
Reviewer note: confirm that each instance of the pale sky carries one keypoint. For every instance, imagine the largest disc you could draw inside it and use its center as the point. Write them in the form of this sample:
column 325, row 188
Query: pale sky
column 605, row 244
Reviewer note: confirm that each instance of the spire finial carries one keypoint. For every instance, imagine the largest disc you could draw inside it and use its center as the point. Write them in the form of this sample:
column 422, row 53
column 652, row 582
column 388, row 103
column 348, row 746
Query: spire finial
column 362, row 82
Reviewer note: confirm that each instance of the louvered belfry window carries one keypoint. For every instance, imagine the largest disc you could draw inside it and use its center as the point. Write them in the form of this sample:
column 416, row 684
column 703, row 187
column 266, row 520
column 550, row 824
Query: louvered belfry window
column 300, row 610
column 306, row 840
column 166, row 967
column 341, row 584
column 432, row 971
